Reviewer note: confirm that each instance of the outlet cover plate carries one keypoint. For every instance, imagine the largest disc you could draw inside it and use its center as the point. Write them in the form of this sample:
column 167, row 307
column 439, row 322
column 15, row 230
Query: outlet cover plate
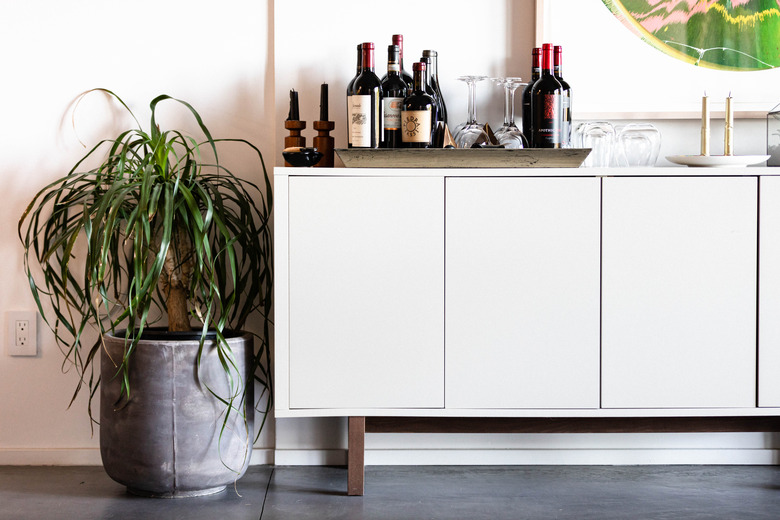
column 30, row 347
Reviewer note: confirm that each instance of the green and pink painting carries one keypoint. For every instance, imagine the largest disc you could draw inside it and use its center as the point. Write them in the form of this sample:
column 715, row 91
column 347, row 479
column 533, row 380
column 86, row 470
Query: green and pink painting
column 719, row 34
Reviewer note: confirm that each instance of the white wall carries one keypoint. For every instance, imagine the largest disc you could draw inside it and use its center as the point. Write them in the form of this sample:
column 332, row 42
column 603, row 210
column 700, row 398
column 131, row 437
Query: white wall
column 220, row 57
column 216, row 55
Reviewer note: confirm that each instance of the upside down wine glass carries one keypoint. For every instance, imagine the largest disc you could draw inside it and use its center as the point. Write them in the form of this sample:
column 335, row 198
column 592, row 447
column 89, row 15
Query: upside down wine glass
column 509, row 134
column 471, row 132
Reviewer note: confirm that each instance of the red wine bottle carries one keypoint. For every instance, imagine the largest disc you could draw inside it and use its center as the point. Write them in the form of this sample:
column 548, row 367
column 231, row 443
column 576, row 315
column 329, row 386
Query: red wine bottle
column 394, row 91
column 349, row 91
column 435, row 84
column 546, row 104
column 565, row 97
column 428, row 86
column 536, row 73
column 398, row 39
column 365, row 104
column 418, row 114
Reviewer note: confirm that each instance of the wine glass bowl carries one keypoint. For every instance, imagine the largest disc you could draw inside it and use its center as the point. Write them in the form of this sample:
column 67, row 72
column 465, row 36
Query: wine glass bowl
column 599, row 136
column 638, row 144
column 509, row 134
column 471, row 132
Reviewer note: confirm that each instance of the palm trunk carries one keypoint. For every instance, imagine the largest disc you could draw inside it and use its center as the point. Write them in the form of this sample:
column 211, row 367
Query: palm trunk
column 175, row 280
column 178, row 317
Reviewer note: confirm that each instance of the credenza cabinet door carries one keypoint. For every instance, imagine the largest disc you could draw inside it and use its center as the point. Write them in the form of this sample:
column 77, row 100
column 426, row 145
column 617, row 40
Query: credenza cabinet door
column 769, row 294
column 366, row 295
column 522, row 293
column 679, row 292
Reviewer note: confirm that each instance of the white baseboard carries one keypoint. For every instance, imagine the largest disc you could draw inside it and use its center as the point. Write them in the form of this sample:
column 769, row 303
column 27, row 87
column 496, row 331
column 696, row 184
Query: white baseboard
column 50, row 457
column 262, row 457
column 504, row 457
column 577, row 457
column 443, row 457
column 87, row 457
column 310, row 457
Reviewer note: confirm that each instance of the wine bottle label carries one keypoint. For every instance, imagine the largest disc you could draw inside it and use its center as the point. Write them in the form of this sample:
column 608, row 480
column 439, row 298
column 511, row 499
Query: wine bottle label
column 392, row 116
column 547, row 119
column 360, row 120
column 349, row 118
column 416, row 126
column 393, row 67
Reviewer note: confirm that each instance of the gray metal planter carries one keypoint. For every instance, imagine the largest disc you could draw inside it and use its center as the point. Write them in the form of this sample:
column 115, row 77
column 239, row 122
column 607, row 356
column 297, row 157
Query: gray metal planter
column 167, row 441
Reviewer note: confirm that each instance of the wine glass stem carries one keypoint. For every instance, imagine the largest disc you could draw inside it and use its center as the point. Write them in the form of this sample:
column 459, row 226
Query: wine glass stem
column 472, row 102
column 509, row 105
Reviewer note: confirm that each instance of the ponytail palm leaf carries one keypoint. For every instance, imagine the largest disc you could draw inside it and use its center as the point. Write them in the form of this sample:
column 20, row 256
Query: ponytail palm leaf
column 156, row 230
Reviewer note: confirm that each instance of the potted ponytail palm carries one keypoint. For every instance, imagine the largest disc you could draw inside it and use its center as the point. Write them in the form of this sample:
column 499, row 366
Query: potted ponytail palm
column 158, row 232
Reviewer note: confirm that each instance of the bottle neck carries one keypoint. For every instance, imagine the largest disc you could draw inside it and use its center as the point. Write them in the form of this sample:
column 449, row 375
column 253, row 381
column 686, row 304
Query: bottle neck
column 547, row 62
column 367, row 64
column 359, row 58
column 427, row 73
column 558, row 66
column 433, row 66
column 536, row 67
column 397, row 40
column 393, row 62
column 419, row 81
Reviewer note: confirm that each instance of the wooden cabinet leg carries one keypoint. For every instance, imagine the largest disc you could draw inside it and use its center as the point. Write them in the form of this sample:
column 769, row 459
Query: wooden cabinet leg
column 356, row 444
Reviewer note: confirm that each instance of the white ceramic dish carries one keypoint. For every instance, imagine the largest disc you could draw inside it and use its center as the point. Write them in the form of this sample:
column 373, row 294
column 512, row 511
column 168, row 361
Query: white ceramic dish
column 717, row 160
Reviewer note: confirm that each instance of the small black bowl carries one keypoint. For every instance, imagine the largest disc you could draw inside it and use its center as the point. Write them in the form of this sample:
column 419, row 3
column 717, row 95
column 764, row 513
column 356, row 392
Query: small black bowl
column 302, row 156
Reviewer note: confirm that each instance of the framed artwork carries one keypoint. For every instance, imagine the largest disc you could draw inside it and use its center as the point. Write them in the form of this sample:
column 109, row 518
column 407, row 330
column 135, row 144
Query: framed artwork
column 656, row 58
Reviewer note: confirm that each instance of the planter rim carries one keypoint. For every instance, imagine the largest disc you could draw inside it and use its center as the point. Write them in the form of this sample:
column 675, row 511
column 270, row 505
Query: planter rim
column 159, row 334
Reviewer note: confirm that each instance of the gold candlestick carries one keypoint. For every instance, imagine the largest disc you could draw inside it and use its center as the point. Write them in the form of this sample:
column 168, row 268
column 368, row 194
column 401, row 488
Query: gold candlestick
column 728, row 140
column 705, row 125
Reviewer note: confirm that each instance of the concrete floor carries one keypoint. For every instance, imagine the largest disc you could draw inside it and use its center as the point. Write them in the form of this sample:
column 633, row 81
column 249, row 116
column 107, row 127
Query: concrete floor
column 419, row 492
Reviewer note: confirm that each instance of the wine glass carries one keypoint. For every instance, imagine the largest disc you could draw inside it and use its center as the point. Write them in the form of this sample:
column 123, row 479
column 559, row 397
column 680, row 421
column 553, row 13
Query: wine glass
column 599, row 136
column 637, row 144
column 471, row 132
column 509, row 134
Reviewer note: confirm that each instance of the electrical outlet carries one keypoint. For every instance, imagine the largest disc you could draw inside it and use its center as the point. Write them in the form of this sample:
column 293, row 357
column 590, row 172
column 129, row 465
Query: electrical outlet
column 22, row 338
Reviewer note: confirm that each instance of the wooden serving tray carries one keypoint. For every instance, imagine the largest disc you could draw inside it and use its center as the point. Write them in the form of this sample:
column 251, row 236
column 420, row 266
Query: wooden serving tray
column 462, row 157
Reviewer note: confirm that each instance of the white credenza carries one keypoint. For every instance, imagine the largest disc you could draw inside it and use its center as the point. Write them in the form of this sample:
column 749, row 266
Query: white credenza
column 527, row 292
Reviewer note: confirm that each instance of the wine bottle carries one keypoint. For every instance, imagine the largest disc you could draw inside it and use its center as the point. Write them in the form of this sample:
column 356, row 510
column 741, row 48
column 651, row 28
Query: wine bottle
column 546, row 104
column 398, row 39
column 431, row 92
column 565, row 97
column 349, row 92
column 427, row 82
column 394, row 90
column 365, row 104
column 536, row 73
column 419, row 113
column 436, row 84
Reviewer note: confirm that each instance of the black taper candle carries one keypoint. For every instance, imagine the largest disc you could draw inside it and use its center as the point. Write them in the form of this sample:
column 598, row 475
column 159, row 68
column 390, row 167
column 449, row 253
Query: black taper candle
column 293, row 115
column 324, row 102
